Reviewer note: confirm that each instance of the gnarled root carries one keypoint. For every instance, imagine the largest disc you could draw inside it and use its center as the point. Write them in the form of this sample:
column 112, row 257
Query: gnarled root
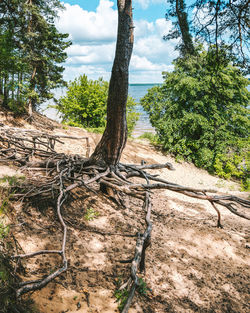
column 61, row 174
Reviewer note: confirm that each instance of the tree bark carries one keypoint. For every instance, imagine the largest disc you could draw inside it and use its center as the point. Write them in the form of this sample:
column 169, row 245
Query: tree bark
column 188, row 47
column 109, row 149
column 32, row 79
column 30, row 104
column 5, row 89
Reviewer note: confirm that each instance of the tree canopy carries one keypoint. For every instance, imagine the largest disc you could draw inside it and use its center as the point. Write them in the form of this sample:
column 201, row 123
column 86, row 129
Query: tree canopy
column 201, row 115
column 84, row 104
column 219, row 23
column 31, row 51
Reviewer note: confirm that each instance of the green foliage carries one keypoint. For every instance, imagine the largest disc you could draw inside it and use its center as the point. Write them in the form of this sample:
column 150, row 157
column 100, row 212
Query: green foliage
column 96, row 130
column 153, row 138
column 142, row 287
column 12, row 181
column 132, row 116
column 16, row 107
column 31, row 50
column 91, row 214
column 8, row 184
column 85, row 104
column 4, row 230
column 200, row 113
column 122, row 294
column 121, row 297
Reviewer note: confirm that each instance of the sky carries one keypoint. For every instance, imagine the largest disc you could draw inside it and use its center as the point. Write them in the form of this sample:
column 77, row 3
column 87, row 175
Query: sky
column 92, row 28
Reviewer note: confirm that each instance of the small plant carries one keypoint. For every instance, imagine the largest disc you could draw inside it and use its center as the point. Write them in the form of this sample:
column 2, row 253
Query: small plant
column 96, row 130
column 245, row 184
column 7, row 189
column 153, row 138
column 120, row 294
column 91, row 214
column 4, row 204
column 4, row 230
column 12, row 181
column 121, row 297
column 142, row 287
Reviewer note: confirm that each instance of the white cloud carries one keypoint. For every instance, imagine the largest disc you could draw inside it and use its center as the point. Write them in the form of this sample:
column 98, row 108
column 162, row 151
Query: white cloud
column 93, row 72
column 91, row 54
column 153, row 76
column 94, row 36
column 143, row 3
column 151, row 44
column 83, row 25
column 163, row 26
column 143, row 28
column 155, row 49
column 143, row 64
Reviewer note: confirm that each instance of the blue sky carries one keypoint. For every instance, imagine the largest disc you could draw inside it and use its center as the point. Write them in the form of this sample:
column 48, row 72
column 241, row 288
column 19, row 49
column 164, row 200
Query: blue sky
column 143, row 9
column 92, row 26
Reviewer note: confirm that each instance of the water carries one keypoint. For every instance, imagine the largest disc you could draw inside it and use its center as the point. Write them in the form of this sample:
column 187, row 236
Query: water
column 137, row 91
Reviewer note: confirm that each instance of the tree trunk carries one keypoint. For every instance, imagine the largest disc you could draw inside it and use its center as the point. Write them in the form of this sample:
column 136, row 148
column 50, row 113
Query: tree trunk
column 30, row 103
column 188, row 47
column 32, row 84
column 112, row 143
column 5, row 90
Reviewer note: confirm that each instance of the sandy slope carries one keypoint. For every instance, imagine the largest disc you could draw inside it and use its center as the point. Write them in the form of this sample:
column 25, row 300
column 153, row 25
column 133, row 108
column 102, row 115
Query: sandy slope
column 192, row 266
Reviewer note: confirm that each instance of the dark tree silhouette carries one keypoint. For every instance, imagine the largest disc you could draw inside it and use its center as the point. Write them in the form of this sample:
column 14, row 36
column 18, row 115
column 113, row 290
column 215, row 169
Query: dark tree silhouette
column 187, row 47
column 181, row 26
column 223, row 23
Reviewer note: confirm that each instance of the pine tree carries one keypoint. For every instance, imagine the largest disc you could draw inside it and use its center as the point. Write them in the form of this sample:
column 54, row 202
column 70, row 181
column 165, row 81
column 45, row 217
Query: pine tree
column 35, row 48
column 222, row 23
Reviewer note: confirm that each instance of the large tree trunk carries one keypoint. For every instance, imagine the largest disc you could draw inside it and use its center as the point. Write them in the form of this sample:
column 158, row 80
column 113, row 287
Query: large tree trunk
column 109, row 149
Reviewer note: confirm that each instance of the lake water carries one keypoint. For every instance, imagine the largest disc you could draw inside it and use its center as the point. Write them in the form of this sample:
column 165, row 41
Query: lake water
column 137, row 91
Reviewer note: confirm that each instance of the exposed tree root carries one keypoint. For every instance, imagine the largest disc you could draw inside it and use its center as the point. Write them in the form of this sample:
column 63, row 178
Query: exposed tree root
column 60, row 174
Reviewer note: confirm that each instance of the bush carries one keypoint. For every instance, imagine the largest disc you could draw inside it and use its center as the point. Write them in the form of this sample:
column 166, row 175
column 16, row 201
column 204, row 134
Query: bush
column 153, row 138
column 85, row 104
column 200, row 113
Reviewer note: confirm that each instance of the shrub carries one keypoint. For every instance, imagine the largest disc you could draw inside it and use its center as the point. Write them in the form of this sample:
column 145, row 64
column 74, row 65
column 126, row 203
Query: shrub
column 84, row 104
column 200, row 113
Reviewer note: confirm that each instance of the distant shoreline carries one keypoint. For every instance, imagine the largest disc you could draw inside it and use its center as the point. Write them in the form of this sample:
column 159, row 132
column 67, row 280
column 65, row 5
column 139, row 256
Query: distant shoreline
column 136, row 90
